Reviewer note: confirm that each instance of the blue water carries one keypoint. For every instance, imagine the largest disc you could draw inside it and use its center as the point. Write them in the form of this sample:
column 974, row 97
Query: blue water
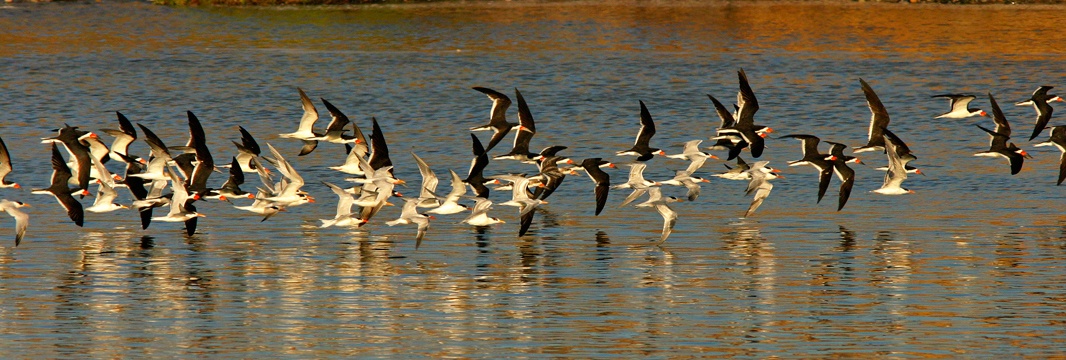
column 969, row 266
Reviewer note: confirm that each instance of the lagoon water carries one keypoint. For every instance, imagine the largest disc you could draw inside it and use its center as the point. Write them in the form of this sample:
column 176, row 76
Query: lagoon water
column 972, row 265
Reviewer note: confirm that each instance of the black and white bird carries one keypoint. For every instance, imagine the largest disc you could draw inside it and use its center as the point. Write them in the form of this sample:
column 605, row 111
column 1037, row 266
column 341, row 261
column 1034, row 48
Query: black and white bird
column 878, row 120
column 998, row 146
column 1058, row 139
column 960, row 107
column 497, row 116
column 22, row 220
column 760, row 185
column 642, row 145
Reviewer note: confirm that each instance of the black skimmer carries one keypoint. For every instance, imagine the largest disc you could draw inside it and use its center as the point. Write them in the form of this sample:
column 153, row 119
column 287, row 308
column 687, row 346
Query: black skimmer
column 998, row 146
column 550, row 173
column 231, row 189
column 960, row 107
column 289, row 194
column 451, row 204
column 739, row 172
column 522, row 198
column 5, row 167
column 136, row 186
column 124, row 136
column 744, row 127
column 903, row 151
column 524, row 133
column 180, row 206
column 878, row 120
column 636, row 182
column 811, row 156
column 691, row 183
column 475, row 177
column 896, row 173
column 660, row 203
column 1058, row 139
column 479, row 214
column 205, row 164
column 306, row 129
column 335, row 131
column 61, row 191
column 693, row 154
column 379, row 149
column 157, row 162
column 105, row 193
column 429, row 184
column 247, row 149
column 79, row 153
column 409, row 215
column 344, row 216
column 497, row 116
column 726, row 121
column 1039, row 101
column 600, row 178
column 760, row 184
column 641, row 147
column 22, row 220
column 843, row 171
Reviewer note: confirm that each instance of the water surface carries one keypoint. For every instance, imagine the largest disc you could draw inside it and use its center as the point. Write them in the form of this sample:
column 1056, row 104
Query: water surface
column 970, row 266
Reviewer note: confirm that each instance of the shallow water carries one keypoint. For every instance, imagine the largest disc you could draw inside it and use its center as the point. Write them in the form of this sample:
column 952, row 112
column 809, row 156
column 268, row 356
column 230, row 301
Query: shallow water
column 970, row 266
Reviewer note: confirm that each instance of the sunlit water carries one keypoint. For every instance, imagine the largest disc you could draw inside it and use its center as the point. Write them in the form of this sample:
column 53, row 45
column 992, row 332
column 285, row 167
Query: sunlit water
column 970, row 266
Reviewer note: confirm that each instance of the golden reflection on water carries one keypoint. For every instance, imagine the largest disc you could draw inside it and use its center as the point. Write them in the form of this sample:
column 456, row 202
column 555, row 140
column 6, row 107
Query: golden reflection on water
column 872, row 30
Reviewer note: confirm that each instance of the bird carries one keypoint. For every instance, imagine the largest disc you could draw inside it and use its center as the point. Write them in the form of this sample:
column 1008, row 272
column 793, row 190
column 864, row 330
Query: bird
column 69, row 137
column 61, row 191
column 22, row 220
column 739, row 172
column 344, row 216
column 600, row 178
column 305, row 130
column 842, row 170
column 475, row 177
column 450, row 205
column 6, row 167
column 760, row 184
column 289, row 194
column 1039, row 101
column 691, row 183
column 660, row 203
column 429, row 184
column 1058, row 139
column 231, row 189
column 816, row 159
column 196, row 181
column 879, row 120
column 641, row 148
column 896, row 173
column 497, row 116
column 180, row 211
column 523, row 134
column 960, row 107
column 409, row 215
column 247, row 149
column 105, row 194
column 903, row 151
column 636, row 182
column 479, row 214
column 521, row 198
column 693, row 154
column 745, row 127
column 125, row 135
column 998, row 146
column 335, row 131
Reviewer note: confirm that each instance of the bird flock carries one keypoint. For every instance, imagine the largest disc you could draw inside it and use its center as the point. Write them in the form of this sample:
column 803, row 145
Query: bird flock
column 174, row 178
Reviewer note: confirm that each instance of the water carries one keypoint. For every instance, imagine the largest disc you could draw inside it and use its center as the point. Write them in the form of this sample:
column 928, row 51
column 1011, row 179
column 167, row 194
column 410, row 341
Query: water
column 970, row 266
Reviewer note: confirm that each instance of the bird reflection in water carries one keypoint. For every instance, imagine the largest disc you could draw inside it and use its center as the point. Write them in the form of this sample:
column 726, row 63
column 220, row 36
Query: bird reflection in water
column 147, row 242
